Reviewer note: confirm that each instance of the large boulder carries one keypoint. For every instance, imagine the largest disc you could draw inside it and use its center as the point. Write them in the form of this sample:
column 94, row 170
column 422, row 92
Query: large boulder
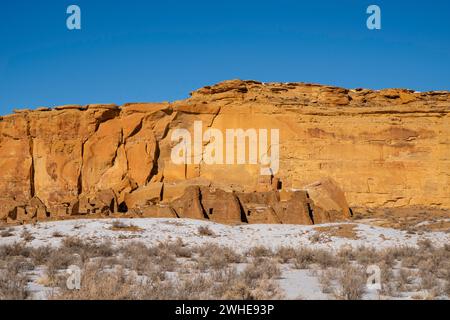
column 258, row 207
column 328, row 201
column 220, row 206
column 188, row 205
column 157, row 211
column 296, row 209
column 208, row 203
column 144, row 196
column 102, row 202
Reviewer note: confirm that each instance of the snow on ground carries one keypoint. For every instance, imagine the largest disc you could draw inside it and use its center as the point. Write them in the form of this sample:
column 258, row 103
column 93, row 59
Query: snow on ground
column 295, row 283
column 300, row 284
column 239, row 237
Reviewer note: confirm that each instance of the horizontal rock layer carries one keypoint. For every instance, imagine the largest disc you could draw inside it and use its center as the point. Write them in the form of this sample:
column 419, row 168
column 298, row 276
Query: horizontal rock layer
column 387, row 148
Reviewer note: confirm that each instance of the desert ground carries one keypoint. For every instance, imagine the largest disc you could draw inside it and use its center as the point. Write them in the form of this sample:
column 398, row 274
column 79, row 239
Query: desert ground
column 165, row 258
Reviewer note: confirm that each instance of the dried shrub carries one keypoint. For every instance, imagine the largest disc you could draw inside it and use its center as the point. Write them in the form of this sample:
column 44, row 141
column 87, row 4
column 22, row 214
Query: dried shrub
column 317, row 237
column 6, row 233
column 351, row 283
column 326, row 280
column 366, row 255
column 285, row 254
column 14, row 249
column 259, row 252
column 261, row 269
column 40, row 255
column 388, row 282
column 205, row 231
column 57, row 234
column 324, row 258
column 195, row 287
column 26, row 235
column 304, row 258
column 13, row 285
column 263, row 290
column 227, row 254
column 178, row 248
column 428, row 280
column 346, row 254
column 100, row 284
column 118, row 225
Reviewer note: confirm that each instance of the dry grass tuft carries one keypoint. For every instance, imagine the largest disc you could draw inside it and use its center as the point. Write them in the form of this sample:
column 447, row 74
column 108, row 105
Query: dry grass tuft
column 57, row 234
column 261, row 269
column 6, row 233
column 285, row 254
column 205, row 231
column 26, row 235
column 351, row 283
column 118, row 225
column 260, row 252
column 13, row 285
column 13, row 250
column 326, row 280
column 100, row 284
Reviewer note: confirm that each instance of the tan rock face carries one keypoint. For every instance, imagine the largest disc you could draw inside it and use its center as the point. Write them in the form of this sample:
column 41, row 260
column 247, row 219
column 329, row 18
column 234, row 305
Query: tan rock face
column 338, row 148
column 16, row 162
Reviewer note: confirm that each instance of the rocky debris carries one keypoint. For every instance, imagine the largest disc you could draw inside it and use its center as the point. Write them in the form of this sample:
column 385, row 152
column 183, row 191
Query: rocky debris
column 206, row 202
column 384, row 149
column 196, row 202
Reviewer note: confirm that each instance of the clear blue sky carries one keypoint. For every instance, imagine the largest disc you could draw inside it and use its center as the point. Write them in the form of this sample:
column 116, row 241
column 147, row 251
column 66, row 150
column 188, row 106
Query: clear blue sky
column 161, row 50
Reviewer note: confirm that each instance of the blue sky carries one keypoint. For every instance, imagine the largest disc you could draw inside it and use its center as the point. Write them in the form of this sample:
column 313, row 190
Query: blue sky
column 161, row 50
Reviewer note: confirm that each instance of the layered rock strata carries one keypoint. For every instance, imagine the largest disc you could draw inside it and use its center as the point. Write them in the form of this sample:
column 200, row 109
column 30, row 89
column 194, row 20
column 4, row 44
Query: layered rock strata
column 387, row 148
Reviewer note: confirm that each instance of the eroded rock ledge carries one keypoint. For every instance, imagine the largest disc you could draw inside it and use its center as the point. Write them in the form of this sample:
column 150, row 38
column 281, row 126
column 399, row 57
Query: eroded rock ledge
column 387, row 148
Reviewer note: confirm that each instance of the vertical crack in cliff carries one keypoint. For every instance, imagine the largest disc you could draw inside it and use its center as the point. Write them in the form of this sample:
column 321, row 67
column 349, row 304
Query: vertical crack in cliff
column 31, row 148
column 113, row 160
column 242, row 210
column 200, row 198
column 214, row 117
column 310, row 210
column 80, row 179
column 155, row 168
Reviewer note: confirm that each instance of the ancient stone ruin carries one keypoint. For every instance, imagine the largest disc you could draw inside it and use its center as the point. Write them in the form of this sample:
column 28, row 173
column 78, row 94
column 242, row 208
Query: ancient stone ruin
column 338, row 149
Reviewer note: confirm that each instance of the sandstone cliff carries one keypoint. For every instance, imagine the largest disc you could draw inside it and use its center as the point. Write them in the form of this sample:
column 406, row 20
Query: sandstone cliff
column 387, row 148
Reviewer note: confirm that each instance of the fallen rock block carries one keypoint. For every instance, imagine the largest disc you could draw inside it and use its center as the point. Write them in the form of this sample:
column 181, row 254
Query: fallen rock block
column 158, row 211
column 188, row 205
column 328, row 201
column 296, row 209
column 220, row 206
column 144, row 196
column 103, row 202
